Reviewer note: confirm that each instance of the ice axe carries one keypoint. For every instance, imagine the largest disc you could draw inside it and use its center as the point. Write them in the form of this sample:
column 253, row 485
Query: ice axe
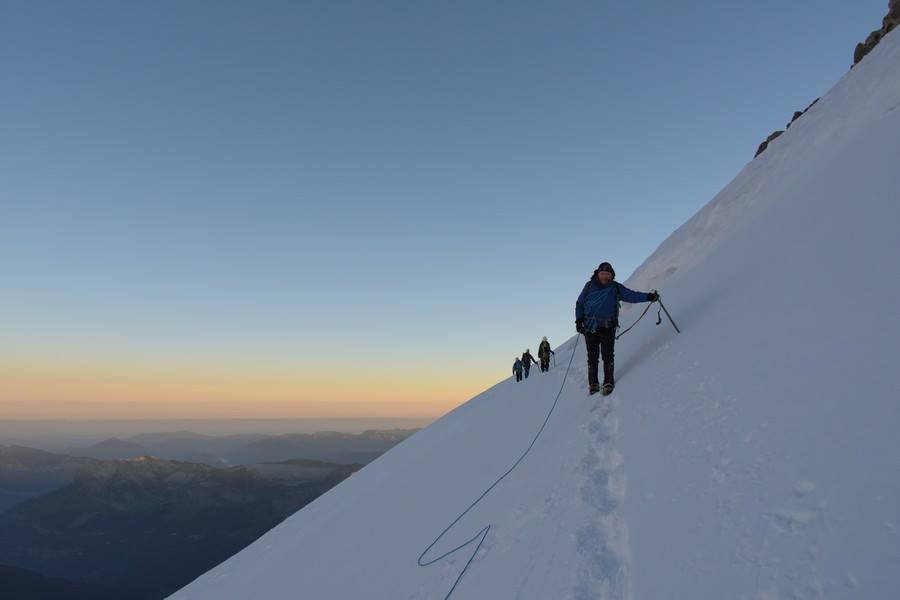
column 659, row 317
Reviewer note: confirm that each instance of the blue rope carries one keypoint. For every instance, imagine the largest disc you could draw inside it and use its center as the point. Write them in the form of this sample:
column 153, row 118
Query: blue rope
column 481, row 535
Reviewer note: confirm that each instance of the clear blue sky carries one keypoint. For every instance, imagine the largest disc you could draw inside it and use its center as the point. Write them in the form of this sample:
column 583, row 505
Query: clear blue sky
column 398, row 183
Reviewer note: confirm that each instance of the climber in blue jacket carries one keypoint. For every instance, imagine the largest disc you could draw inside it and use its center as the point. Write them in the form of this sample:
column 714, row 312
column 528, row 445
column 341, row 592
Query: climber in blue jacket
column 517, row 369
column 597, row 316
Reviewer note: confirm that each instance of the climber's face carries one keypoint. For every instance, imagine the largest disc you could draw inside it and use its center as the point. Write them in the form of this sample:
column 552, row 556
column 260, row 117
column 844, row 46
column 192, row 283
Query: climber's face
column 604, row 277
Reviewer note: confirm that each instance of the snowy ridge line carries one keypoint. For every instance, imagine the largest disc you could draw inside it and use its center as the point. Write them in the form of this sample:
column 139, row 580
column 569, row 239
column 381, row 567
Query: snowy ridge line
column 482, row 534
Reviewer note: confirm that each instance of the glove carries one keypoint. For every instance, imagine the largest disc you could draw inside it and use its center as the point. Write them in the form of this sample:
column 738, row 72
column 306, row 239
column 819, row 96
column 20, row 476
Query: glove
column 579, row 326
column 652, row 296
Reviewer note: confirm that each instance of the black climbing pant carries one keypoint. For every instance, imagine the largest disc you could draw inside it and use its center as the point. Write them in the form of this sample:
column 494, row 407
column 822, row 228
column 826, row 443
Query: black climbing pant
column 601, row 342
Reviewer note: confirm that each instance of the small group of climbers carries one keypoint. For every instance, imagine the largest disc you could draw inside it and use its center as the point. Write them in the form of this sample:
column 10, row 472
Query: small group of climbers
column 522, row 366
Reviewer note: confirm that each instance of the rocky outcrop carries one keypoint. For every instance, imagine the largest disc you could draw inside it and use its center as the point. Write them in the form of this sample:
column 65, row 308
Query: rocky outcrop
column 800, row 113
column 775, row 134
column 765, row 144
column 890, row 21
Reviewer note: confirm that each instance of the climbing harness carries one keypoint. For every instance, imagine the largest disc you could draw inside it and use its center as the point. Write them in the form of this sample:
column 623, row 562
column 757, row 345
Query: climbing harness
column 482, row 534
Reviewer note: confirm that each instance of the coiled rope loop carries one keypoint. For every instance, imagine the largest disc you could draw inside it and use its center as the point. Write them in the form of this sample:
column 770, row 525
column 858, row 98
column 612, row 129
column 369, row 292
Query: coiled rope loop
column 482, row 534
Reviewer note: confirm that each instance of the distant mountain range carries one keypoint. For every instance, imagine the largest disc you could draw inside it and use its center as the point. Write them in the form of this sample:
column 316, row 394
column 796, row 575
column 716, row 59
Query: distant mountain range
column 144, row 527
column 109, row 449
column 329, row 446
column 28, row 472
column 140, row 517
column 243, row 449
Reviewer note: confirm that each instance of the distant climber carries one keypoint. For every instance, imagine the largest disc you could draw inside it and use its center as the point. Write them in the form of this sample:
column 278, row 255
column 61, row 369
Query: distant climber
column 517, row 369
column 527, row 361
column 544, row 353
column 597, row 316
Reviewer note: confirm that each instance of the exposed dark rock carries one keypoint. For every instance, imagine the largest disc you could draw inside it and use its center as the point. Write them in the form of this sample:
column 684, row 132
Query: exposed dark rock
column 890, row 21
column 800, row 113
column 797, row 115
column 765, row 144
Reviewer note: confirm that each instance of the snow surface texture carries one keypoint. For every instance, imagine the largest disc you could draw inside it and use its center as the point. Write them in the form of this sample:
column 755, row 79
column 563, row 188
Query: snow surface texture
column 756, row 455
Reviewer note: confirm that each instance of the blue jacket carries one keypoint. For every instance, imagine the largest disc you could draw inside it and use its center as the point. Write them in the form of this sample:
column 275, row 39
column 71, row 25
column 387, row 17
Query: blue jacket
column 517, row 366
column 597, row 305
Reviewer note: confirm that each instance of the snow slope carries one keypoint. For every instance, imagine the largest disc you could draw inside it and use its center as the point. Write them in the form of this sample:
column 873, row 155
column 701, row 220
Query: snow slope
column 756, row 455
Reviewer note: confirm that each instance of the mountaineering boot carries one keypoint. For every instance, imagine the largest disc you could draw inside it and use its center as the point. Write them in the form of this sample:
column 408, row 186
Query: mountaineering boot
column 593, row 383
column 609, row 382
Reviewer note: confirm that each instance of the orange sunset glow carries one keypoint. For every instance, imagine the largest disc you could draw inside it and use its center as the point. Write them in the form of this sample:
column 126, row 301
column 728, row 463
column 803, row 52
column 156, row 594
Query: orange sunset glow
column 90, row 390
